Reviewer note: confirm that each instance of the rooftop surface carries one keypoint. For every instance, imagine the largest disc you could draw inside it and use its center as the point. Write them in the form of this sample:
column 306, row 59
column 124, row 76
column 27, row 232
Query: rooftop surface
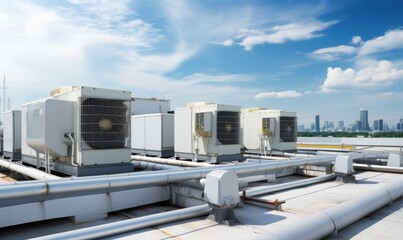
column 385, row 223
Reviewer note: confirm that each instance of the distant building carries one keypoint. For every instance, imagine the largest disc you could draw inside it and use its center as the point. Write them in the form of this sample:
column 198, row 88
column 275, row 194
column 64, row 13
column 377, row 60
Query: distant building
column 340, row 124
column 358, row 126
column 301, row 128
column 364, row 119
column 399, row 124
column 378, row 125
column 317, row 123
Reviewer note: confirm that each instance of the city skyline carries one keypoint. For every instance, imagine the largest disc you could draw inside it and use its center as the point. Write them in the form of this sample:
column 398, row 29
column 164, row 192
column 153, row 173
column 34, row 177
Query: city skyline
column 312, row 57
column 377, row 124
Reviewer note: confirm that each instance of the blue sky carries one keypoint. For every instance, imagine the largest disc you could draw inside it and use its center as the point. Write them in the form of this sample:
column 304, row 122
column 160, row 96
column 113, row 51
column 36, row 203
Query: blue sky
column 313, row 57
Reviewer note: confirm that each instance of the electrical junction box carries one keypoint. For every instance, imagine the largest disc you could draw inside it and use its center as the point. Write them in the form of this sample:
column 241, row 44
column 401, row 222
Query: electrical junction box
column 48, row 120
column 221, row 189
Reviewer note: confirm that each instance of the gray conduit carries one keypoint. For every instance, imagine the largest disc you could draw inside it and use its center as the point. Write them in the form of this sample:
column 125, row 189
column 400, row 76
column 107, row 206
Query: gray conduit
column 107, row 183
column 278, row 187
column 27, row 171
column 378, row 168
column 110, row 229
column 322, row 224
column 170, row 161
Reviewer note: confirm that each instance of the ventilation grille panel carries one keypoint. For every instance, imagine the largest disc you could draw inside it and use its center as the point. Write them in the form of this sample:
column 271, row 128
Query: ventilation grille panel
column 288, row 131
column 104, row 123
column 227, row 127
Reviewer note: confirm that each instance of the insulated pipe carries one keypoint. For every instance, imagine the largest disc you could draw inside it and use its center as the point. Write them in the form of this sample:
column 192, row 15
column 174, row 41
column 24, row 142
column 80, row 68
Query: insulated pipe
column 170, row 161
column 110, row 229
column 322, row 224
column 378, row 168
column 265, row 157
column 108, row 183
column 153, row 166
column 278, row 187
column 27, row 171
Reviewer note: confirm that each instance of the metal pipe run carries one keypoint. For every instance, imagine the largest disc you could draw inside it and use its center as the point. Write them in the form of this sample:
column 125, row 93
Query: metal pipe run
column 110, row 229
column 320, row 225
column 266, row 157
column 173, row 162
column 154, row 166
column 108, row 183
column 278, row 187
column 27, row 171
column 378, row 168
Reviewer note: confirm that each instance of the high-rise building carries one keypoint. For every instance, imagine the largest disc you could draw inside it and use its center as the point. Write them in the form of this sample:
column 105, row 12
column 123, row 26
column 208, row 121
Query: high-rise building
column 317, row 123
column 340, row 124
column 364, row 119
column 378, row 125
column 358, row 126
column 399, row 124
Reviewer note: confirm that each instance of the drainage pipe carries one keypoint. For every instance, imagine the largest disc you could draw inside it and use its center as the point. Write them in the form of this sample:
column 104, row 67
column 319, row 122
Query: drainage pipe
column 320, row 225
column 110, row 229
column 378, row 168
column 27, row 171
column 108, row 183
column 282, row 186
column 170, row 161
column 73, row 149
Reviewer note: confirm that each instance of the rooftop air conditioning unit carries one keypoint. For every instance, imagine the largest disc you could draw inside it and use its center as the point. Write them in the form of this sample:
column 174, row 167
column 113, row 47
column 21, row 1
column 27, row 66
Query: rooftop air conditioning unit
column 265, row 131
column 79, row 131
column 208, row 132
column 12, row 134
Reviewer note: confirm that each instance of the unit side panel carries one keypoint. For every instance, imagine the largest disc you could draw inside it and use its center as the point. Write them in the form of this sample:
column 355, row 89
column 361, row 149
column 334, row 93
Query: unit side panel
column 168, row 131
column 137, row 132
column 251, row 128
column 8, row 132
column 17, row 130
column 183, row 130
column 153, row 132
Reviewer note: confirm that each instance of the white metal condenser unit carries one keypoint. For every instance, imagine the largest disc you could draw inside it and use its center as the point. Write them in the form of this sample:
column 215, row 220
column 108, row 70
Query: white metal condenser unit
column 79, row 131
column 265, row 131
column 208, row 132
column 12, row 134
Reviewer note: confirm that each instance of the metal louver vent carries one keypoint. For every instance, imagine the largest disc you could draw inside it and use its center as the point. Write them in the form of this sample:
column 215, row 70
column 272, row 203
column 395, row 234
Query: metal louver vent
column 288, row 131
column 104, row 123
column 227, row 127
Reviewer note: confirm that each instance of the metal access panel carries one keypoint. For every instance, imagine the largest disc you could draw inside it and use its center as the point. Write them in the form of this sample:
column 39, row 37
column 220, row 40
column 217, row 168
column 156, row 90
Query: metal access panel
column 12, row 134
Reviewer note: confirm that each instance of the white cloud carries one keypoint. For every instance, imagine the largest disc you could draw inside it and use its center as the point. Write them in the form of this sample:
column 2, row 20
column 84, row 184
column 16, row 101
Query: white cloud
column 285, row 94
column 284, row 33
column 356, row 40
column 390, row 40
column 197, row 78
column 384, row 74
column 228, row 43
column 387, row 94
column 332, row 53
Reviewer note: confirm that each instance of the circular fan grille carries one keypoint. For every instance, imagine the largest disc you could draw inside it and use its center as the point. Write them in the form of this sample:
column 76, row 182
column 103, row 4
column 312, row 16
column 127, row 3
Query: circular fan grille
column 104, row 123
